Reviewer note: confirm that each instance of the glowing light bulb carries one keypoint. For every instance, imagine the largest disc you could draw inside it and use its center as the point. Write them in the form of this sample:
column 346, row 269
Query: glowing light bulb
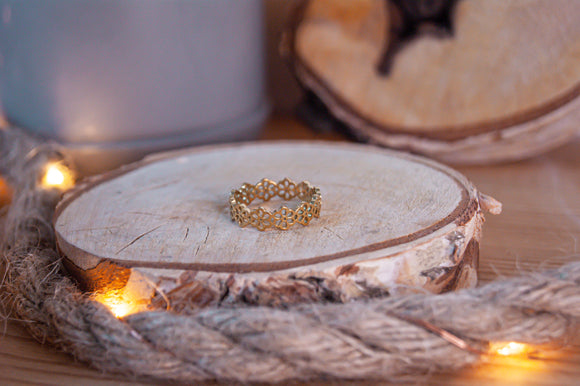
column 509, row 348
column 54, row 176
column 120, row 310
column 119, row 303
column 57, row 175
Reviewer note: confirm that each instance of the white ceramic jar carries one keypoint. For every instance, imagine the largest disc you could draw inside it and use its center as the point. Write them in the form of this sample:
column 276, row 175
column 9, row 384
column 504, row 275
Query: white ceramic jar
column 115, row 79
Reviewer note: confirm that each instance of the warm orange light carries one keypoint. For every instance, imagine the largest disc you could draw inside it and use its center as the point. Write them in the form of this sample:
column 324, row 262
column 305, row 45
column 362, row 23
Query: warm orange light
column 509, row 348
column 5, row 193
column 119, row 303
column 503, row 369
column 58, row 176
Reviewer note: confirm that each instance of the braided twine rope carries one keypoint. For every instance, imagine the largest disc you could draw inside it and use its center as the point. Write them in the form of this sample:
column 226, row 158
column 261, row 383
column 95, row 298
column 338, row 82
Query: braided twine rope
column 382, row 338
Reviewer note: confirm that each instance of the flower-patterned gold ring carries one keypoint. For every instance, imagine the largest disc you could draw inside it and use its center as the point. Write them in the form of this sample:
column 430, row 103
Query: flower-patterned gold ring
column 282, row 218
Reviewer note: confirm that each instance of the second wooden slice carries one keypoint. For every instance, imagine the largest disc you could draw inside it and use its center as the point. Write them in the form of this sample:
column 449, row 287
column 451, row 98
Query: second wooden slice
column 390, row 222
column 500, row 82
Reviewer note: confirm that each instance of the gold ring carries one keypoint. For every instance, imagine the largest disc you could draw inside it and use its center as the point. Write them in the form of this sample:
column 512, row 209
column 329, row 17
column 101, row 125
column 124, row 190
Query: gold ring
column 282, row 218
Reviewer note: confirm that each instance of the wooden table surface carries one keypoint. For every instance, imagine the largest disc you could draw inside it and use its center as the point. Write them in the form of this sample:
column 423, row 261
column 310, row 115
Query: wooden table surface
column 539, row 228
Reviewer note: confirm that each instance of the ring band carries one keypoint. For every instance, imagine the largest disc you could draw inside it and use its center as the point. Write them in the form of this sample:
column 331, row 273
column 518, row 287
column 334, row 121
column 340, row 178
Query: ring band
column 282, row 218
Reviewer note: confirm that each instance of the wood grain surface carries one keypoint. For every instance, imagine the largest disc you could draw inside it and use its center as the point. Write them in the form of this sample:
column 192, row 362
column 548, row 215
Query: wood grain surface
column 173, row 201
column 539, row 228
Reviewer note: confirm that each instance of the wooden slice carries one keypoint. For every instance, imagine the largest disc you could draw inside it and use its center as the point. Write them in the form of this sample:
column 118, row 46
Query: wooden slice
column 390, row 222
column 503, row 84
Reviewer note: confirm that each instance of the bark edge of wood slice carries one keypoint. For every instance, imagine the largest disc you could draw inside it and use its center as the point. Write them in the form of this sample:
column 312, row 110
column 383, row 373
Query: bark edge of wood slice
column 501, row 89
column 159, row 231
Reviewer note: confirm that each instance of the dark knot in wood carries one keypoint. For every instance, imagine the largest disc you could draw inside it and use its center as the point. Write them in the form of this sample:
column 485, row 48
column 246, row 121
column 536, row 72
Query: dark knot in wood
column 409, row 19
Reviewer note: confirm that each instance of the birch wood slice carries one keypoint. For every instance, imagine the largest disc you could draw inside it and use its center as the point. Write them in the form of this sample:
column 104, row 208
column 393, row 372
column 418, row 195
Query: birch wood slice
column 161, row 228
column 504, row 86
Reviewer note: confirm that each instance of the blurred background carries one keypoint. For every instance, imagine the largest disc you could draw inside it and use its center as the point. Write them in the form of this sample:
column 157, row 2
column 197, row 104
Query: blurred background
column 449, row 79
column 113, row 80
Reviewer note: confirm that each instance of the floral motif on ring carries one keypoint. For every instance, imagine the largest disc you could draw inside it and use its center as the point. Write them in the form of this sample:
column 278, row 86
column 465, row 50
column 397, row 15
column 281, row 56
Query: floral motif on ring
column 241, row 214
column 261, row 219
column 286, row 189
column 266, row 189
column 303, row 214
column 284, row 218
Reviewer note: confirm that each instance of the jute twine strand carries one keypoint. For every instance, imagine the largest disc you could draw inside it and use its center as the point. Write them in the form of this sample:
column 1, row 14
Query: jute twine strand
column 385, row 338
